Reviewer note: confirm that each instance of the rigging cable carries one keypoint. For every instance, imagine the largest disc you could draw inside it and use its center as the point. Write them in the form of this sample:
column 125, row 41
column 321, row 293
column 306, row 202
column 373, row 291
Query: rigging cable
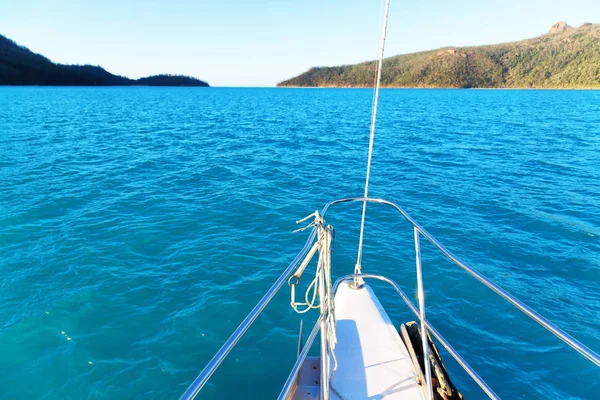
column 358, row 266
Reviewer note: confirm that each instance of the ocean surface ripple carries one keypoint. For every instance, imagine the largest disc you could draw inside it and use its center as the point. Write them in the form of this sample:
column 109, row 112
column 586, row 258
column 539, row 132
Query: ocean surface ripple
column 138, row 226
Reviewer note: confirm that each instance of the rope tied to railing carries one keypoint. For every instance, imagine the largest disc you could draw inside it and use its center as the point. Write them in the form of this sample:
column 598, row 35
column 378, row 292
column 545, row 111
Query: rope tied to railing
column 323, row 271
column 322, row 278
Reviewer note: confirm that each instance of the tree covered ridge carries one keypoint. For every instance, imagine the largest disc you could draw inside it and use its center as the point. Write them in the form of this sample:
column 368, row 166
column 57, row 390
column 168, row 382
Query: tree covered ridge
column 565, row 57
column 21, row 66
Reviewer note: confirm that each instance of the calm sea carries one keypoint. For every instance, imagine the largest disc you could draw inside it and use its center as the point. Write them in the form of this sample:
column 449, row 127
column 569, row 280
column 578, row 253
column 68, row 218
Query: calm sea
column 138, row 226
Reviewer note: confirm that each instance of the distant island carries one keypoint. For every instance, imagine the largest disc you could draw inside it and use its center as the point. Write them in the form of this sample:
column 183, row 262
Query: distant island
column 565, row 57
column 20, row 66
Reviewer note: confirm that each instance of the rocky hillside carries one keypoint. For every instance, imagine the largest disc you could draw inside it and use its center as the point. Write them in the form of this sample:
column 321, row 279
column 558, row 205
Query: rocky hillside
column 565, row 57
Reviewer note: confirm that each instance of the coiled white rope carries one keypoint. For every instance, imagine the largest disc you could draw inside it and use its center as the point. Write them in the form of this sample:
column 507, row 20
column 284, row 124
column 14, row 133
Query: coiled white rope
column 322, row 275
column 323, row 271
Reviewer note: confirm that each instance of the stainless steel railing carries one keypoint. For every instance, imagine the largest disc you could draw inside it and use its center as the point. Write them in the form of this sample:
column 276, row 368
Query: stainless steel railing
column 235, row 337
column 218, row 358
column 289, row 383
column 555, row 330
column 428, row 327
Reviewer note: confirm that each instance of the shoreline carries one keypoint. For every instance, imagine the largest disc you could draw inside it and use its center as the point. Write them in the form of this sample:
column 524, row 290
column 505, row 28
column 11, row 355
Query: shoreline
column 298, row 87
column 438, row 88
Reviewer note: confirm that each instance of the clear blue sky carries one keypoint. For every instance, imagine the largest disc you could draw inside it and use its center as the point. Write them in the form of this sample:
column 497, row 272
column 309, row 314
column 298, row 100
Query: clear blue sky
column 260, row 42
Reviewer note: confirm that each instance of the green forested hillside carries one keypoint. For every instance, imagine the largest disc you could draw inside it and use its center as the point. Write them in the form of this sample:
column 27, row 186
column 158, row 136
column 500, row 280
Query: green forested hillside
column 565, row 57
column 20, row 66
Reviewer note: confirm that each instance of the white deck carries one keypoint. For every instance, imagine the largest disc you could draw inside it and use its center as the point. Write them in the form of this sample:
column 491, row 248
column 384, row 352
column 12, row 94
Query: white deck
column 373, row 362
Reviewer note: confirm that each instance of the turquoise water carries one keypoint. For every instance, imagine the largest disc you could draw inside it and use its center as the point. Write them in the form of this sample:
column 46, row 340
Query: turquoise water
column 138, row 226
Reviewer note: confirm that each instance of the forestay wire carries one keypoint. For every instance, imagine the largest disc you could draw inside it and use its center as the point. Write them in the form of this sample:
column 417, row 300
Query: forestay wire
column 357, row 268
